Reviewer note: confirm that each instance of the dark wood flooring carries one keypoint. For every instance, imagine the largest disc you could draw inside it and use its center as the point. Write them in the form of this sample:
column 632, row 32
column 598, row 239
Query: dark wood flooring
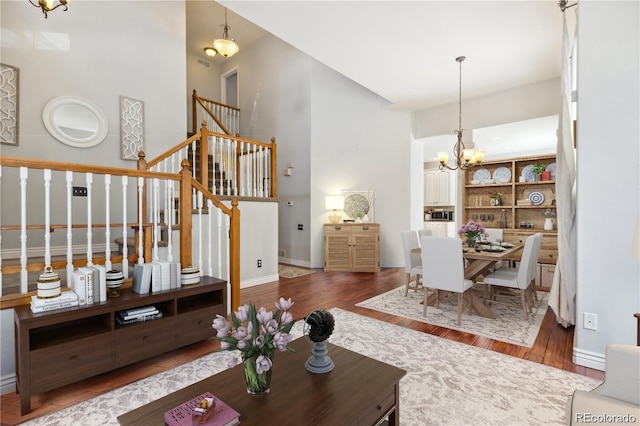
column 552, row 347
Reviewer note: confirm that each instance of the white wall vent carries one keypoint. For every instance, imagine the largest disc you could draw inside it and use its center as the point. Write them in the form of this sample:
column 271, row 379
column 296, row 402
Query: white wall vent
column 204, row 63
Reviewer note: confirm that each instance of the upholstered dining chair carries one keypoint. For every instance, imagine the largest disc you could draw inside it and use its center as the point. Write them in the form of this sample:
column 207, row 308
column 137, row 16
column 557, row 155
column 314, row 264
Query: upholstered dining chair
column 424, row 233
column 412, row 261
column 494, row 235
column 442, row 258
column 521, row 278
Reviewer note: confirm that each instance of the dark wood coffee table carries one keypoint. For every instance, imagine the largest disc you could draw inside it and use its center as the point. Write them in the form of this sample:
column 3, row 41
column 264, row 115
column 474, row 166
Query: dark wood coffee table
column 359, row 391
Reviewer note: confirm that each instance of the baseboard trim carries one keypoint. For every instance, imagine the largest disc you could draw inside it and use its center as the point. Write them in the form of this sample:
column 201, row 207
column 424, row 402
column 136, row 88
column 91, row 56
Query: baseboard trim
column 294, row 262
column 589, row 359
column 7, row 383
column 258, row 281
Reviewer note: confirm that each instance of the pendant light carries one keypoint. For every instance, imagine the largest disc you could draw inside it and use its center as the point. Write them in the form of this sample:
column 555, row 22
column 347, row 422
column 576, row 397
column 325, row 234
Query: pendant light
column 225, row 46
column 465, row 158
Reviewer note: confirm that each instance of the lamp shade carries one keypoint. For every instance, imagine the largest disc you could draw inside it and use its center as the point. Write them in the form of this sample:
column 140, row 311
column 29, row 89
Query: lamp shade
column 334, row 202
column 225, row 47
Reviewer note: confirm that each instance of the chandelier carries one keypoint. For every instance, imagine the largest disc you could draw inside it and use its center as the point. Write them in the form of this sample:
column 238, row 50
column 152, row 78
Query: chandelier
column 224, row 46
column 465, row 158
column 48, row 5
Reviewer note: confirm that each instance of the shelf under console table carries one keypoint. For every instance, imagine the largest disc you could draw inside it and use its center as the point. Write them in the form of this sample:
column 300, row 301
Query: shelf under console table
column 64, row 346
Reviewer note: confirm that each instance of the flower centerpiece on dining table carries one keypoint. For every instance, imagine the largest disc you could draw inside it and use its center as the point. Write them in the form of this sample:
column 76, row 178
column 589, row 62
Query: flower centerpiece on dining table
column 472, row 231
column 256, row 334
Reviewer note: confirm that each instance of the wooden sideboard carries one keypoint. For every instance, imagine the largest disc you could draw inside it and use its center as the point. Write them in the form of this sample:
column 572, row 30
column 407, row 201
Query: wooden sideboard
column 352, row 247
column 476, row 203
column 64, row 346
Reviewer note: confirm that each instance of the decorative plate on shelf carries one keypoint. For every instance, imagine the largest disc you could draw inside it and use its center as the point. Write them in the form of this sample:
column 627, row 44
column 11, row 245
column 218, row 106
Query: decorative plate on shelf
column 552, row 168
column 528, row 174
column 536, row 198
column 502, row 175
column 481, row 175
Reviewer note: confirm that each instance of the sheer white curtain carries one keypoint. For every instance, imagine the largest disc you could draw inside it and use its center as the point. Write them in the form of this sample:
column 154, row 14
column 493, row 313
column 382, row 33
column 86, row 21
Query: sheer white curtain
column 563, row 290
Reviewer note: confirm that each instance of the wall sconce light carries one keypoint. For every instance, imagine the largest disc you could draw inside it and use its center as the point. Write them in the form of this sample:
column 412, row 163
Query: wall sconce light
column 334, row 203
column 287, row 171
column 48, row 5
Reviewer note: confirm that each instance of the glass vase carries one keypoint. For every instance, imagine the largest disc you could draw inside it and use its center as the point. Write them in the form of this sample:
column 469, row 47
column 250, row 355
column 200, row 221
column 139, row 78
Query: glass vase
column 471, row 241
column 258, row 383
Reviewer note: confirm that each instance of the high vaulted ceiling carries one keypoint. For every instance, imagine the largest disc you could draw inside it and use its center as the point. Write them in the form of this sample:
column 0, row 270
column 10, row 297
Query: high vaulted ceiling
column 405, row 50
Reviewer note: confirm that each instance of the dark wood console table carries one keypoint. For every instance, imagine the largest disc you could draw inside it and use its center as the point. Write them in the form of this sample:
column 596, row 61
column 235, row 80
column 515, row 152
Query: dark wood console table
column 359, row 391
column 64, row 346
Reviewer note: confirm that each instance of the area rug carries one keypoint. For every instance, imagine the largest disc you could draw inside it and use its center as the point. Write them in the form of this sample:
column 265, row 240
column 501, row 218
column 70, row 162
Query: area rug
column 447, row 382
column 510, row 325
column 288, row 271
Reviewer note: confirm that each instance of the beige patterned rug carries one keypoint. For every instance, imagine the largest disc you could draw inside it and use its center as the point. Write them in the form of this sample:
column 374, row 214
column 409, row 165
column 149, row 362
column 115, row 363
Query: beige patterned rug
column 447, row 382
column 510, row 325
column 288, row 271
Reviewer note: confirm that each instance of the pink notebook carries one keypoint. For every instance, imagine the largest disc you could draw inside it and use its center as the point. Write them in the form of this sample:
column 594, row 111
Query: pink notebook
column 219, row 415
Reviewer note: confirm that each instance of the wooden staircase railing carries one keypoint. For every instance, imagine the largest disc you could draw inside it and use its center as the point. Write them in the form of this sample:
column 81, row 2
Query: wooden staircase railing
column 35, row 201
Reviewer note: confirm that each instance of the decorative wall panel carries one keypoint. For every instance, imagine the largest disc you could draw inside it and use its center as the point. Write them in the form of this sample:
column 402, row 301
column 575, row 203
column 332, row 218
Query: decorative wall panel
column 131, row 128
column 9, row 85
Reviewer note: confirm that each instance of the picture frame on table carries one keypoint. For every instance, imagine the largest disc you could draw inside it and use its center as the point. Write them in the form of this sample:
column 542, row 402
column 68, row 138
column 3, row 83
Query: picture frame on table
column 358, row 202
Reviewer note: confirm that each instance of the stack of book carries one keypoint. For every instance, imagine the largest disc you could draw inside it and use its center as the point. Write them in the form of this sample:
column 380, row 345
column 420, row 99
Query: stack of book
column 66, row 299
column 131, row 316
column 155, row 276
column 90, row 284
column 205, row 409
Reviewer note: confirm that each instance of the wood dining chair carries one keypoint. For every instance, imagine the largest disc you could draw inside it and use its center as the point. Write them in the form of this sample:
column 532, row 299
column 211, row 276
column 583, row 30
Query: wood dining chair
column 442, row 259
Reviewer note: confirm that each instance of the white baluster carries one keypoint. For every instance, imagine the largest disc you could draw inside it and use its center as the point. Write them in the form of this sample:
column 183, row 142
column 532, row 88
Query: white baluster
column 47, row 217
column 169, row 219
column 24, row 276
column 209, row 236
column 107, row 229
column 155, row 206
column 140, row 228
column 200, row 232
column 125, row 236
column 234, row 166
column 69, row 179
column 89, row 222
column 220, row 235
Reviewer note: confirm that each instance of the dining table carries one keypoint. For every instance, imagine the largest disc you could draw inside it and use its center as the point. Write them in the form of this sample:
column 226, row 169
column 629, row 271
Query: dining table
column 477, row 263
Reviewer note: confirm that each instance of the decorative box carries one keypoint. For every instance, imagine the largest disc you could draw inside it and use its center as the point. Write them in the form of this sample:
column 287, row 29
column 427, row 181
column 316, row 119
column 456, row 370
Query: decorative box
column 48, row 284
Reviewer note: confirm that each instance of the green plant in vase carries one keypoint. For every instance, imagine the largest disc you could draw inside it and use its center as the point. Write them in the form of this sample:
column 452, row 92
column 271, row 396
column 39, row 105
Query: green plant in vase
column 537, row 170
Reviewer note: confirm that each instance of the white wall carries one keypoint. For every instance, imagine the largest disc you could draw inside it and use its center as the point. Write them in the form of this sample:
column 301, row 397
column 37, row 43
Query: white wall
column 608, row 175
column 97, row 51
column 357, row 144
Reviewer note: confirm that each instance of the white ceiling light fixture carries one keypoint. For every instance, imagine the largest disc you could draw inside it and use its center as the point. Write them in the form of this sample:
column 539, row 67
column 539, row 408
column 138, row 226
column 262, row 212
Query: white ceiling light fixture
column 48, row 5
column 465, row 158
column 225, row 46
column 210, row 51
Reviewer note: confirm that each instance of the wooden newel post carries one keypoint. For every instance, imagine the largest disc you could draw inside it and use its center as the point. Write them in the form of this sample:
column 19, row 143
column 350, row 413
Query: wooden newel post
column 185, row 214
column 274, row 168
column 234, row 261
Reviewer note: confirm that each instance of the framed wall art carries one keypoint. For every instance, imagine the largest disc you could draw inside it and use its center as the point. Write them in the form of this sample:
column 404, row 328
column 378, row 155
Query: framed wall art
column 131, row 128
column 357, row 204
column 9, row 108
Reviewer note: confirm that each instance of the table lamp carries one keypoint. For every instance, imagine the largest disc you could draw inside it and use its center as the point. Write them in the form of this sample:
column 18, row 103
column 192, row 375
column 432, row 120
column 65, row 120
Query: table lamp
column 334, row 203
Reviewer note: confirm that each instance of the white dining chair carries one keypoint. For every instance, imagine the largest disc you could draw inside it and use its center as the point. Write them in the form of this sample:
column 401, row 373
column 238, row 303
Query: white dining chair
column 424, row 233
column 412, row 261
column 493, row 236
column 442, row 258
column 521, row 278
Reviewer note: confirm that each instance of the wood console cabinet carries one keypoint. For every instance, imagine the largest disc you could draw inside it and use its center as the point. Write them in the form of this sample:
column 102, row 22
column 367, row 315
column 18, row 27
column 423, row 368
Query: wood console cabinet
column 522, row 220
column 352, row 247
column 64, row 346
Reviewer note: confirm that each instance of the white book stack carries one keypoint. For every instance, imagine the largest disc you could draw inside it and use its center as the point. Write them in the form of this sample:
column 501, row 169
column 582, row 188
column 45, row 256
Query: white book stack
column 88, row 273
column 141, row 278
column 102, row 282
column 79, row 286
column 66, row 299
column 165, row 274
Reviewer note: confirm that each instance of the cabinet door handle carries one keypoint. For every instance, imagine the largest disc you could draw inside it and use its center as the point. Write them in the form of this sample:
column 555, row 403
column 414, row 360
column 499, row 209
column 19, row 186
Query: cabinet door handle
column 144, row 338
column 338, row 227
column 366, row 228
column 200, row 322
column 73, row 358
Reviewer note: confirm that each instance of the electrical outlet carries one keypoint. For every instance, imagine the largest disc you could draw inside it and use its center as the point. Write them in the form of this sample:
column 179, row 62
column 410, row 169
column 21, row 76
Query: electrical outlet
column 590, row 321
column 300, row 227
column 259, row 263
column 79, row 191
